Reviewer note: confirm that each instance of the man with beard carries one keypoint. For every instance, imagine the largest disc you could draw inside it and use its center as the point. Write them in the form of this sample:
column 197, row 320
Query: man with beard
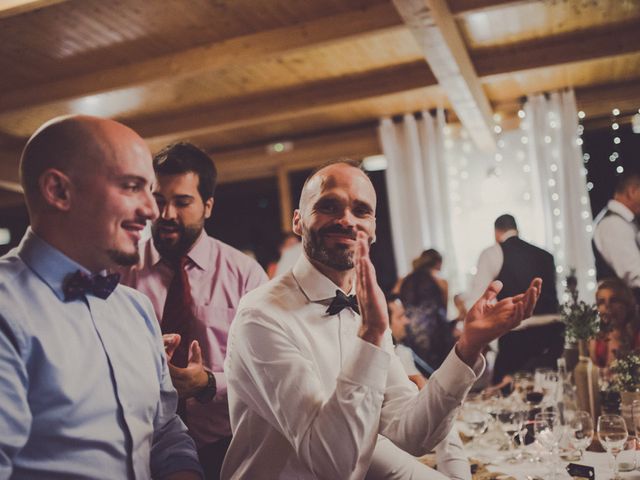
column 195, row 283
column 315, row 390
column 85, row 387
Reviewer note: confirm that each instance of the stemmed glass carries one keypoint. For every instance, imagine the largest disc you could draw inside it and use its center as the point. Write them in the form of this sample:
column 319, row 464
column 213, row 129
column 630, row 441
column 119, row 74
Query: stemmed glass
column 548, row 432
column 473, row 422
column 581, row 428
column 612, row 432
column 512, row 419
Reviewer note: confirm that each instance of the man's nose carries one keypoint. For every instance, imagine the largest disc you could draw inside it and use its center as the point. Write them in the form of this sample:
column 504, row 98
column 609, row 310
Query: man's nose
column 149, row 207
column 168, row 211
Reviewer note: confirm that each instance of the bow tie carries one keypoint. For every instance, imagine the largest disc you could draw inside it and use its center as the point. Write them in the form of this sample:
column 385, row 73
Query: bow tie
column 341, row 301
column 78, row 284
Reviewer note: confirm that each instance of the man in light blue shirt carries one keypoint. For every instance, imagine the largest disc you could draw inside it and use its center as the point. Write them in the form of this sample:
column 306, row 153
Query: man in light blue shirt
column 85, row 392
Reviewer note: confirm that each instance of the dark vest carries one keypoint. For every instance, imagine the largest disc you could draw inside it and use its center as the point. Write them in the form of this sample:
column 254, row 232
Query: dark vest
column 603, row 269
column 522, row 263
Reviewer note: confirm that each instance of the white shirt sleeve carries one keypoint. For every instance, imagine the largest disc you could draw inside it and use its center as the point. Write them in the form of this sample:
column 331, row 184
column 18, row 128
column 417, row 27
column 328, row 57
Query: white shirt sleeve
column 489, row 265
column 616, row 241
column 406, row 359
column 418, row 422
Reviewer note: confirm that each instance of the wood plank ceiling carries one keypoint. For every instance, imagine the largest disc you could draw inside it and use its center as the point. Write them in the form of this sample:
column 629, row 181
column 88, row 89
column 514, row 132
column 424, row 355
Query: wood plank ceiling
column 236, row 75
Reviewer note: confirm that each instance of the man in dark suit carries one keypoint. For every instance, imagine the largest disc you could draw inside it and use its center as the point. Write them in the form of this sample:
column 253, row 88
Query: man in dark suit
column 539, row 341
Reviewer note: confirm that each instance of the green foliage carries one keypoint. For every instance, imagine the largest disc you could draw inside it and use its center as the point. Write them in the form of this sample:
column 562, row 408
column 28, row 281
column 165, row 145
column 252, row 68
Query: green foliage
column 626, row 372
column 580, row 318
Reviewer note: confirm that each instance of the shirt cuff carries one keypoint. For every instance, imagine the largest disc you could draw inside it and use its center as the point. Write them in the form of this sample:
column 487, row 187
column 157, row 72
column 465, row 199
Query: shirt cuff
column 367, row 366
column 456, row 377
column 221, row 387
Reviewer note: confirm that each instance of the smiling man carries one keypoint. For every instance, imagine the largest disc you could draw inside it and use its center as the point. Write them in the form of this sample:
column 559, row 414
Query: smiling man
column 85, row 387
column 314, row 384
column 195, row 283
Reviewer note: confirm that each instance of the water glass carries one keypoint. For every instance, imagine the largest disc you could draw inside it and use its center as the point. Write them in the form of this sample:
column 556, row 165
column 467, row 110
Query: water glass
column 612, row 433
column 548, row 432
column 580, row 429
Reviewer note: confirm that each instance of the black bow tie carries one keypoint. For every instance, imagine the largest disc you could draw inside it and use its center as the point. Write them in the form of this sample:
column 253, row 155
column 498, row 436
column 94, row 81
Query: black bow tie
column 78, row 284
column 343, row 301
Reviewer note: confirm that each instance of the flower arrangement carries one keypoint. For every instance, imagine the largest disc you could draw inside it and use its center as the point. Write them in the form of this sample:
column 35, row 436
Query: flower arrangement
column 625, row 372
column 581, row 319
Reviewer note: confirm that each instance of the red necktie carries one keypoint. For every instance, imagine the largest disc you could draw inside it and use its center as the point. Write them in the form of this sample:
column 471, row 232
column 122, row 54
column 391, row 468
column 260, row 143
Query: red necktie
column 177, row 315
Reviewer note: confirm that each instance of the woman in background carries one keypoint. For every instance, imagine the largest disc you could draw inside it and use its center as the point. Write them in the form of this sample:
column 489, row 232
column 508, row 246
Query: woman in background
column 619, row 323
column 425, row 295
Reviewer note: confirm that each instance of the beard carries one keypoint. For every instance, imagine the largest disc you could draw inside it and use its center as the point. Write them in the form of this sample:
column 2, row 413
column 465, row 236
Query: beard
column 124, row 259
column 339, row 257
column 174, row 249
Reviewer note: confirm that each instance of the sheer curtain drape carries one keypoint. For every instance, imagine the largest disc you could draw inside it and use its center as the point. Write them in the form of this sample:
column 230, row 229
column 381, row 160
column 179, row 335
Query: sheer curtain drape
column 417, row 188
column 551, row 125
column 445, row 194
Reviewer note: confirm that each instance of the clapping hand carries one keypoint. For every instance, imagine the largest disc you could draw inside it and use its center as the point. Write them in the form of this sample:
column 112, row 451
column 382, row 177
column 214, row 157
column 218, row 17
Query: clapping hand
column 373, row 306
column 489, row 319
column 191, row 379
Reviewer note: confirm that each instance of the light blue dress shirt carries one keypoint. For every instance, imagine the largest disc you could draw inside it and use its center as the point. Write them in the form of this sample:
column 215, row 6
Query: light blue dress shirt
column 85, row 392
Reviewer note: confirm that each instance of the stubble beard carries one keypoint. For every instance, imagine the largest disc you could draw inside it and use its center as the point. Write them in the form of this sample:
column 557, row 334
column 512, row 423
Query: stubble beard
column 174, row 250
column 338, row 258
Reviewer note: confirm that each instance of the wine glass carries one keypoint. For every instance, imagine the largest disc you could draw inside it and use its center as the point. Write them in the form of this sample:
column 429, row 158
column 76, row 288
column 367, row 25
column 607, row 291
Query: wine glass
column 612, row 432
column 473, row 422
column 548, row 432
column 581, row 429
column 512, row 419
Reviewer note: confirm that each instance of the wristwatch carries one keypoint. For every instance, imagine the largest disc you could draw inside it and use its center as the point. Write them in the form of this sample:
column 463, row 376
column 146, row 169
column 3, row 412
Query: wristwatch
column 207, row 392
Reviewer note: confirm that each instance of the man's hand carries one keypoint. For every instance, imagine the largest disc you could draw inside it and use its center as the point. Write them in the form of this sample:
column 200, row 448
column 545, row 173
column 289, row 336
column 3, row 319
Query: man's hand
column 190, row 380
column 488, row 319
column 373, row 306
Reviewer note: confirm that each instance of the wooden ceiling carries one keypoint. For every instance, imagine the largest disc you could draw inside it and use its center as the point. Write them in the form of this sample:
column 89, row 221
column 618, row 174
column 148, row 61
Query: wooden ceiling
column 236, row 75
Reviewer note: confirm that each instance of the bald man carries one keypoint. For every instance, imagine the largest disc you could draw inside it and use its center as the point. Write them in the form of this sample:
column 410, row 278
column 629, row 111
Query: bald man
column 85, row 388
column 315, row 390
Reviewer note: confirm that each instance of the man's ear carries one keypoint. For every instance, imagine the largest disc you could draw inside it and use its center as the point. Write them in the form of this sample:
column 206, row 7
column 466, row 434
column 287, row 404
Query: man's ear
column 55, row 188
column 208, row 207
column 297, row 222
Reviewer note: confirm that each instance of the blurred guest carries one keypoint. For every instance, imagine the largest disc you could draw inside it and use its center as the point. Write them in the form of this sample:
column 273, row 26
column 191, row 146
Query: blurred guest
column 194, row 282
column 539, row 341
column 619, row 327
column 615, row 237
column 424, row 295
column 288, row 252
column 85, row 387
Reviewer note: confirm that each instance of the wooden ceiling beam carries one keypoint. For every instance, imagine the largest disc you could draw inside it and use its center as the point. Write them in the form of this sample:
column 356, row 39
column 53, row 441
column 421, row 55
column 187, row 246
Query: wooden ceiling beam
column 465, row 7
column 233, row 51
column 439, row 39
column 284, row 103
column 9, row 8
column 558, row 49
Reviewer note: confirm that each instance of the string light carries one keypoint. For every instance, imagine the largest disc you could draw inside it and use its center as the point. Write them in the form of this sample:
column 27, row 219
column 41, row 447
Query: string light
column 581, row 114
column 615, row 112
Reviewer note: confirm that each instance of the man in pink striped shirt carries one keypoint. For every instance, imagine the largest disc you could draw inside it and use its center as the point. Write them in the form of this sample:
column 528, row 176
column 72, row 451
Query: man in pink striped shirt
column 217, row 276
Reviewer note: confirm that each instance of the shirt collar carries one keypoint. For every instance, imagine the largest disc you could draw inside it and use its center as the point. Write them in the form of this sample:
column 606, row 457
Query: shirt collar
column 46, row 261
column 621, row 209
column 315, row 285
column 199, row 254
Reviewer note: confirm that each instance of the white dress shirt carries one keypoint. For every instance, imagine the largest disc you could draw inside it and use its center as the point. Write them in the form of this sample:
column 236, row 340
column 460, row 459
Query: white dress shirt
column 616, row 237
column 308, row 397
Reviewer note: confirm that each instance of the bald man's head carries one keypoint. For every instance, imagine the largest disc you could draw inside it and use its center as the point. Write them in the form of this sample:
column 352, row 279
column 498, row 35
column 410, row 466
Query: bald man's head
column 336, row 202
column 87, row 181
column 75, row 145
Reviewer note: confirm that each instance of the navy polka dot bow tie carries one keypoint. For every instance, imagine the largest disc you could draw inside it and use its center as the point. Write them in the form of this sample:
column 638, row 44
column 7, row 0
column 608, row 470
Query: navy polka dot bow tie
column 341, row 301
column 78, row 284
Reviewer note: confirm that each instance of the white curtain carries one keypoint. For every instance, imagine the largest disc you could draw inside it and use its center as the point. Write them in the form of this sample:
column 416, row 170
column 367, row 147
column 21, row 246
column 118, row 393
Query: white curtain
column 551, row 125
column 417, row 188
